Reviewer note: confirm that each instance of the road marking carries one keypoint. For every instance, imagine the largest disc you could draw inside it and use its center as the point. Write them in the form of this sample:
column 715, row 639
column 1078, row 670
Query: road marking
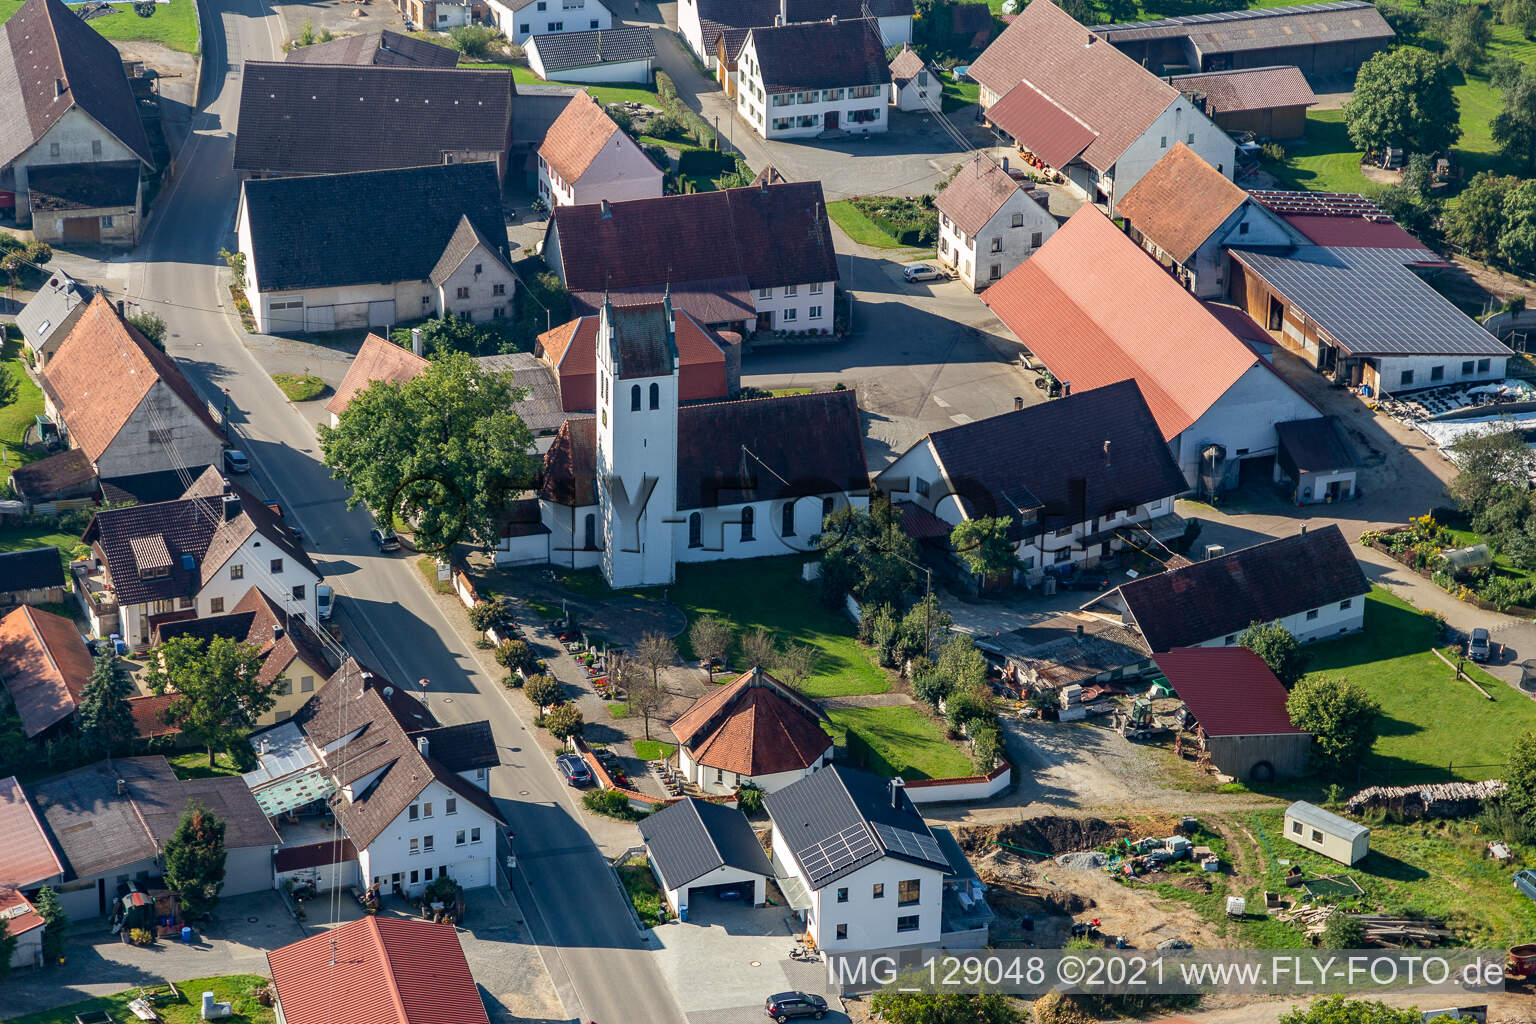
column 961, row 417
column 940, row 402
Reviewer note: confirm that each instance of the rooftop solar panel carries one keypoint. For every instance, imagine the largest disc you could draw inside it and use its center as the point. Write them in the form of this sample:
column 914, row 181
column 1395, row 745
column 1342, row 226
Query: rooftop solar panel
column 910, row 844
column 1207, row 18
column 837, row 852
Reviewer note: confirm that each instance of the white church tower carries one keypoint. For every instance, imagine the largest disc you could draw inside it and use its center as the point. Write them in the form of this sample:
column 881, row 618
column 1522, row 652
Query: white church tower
column 637, row 369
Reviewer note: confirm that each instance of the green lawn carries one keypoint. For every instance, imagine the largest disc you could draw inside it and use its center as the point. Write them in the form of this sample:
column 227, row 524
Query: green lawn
column 174, row 24
column 643, row 891
column 26, row 537
column 1431, row 718
column 231, row 988
column 654, row 750
column 859, row 227
column 904, row 741
column 787, row 392
column 1326, row 161
column 193, row 764
column 958, row 94
column 768, row 593
column 17, row 416
column 299, row 387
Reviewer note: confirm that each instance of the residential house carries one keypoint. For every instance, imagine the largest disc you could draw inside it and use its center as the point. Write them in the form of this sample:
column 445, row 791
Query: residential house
column 383, row 48
column 69, row 474
column 722, row 480
column 290, row 653
column 1309, row 583
column 436, row 245
column 861, row 868
column 1186, row 214
column 378, row 360
column 519, row 20
column 124, row 402
column 1321, row 39
column 1241, row 721
column 184, row 559
column 1351, row 301
column 110, row 822
column 45, row 321
column 44, row 665
column 915, row 87
column 989, row 223
column 31, row 576
column 71, row 115
column 402, row 971
column 298, row 118
column 701, row 22
column 799, row 80
column 442, row 15
column 596, row 55
column 23, row 923
column 1094, row 310
column 1317, row 462
column 412, row 795
column 1078, row 478
column 1271, row 103
column 708, row 361
column 27, row 862
column 697, row 850
column 1085, row 109
column 586, row 158
column 1073, row 649
column 758, row 258
column 754, row 731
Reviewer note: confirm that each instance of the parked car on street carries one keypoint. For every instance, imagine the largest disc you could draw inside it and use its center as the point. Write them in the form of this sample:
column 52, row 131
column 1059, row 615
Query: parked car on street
column 1477, row 646
column 325, row 601
column 235, row 461
column 575, row 770
column 385, row 539
column 921, row 272
column 789, row 1005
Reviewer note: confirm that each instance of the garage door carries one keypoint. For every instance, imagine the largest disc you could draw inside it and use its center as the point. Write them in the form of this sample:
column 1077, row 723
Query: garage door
column 285, row 316
column 381, row 314
column 472, row 873
column 321, row 318
column 82, row 229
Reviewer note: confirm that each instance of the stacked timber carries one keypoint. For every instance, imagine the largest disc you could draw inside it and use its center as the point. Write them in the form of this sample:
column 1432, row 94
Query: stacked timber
column 1436, row 800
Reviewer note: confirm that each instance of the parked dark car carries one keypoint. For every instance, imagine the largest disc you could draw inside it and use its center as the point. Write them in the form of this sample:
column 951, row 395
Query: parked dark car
column 575, row 770
column 385, row 539
column 789, row 1005
column 1477, row 646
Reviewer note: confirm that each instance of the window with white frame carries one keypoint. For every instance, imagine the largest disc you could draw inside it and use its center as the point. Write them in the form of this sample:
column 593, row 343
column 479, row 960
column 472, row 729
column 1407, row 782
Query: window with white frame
column 790, row 314
column 415, row 847
column 790, row 290
column 814, row 313
column 474, row 834
column 817, row 288
column 451, row 805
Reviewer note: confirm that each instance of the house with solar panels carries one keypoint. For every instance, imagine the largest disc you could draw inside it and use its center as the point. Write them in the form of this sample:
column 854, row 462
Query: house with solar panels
column 862, row 870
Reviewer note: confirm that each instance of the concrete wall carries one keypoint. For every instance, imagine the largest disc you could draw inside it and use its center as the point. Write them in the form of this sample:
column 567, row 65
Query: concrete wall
column 917, row 93
column 324, row 878
column 981, row 787
column 302, row 681
column 1452, row 369
column 678, row 899
column 247, row 869
column 773, row 116
column 705, row 777
column 81, row 898
column 142, row 445
column 116, row 225
column 73, row 135
column 567, row 535
column 1181, row 121
column 555, row 16
column 638, row 71
column 532, row 549
column 29, row 948
column 973, row 257
column 720, row 529
column 619, row 173
column 470, row 864
column 1243, row 420
column 1322, row 623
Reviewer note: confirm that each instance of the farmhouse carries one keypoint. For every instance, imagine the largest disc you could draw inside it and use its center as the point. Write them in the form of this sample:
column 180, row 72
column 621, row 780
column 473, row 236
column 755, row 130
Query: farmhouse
column 804, row 79
column 1320, row 39
column 520, row 20
column 598, row 55
column 708, row 361
column 1084, row 109
column 1329, row 834
column 989, row 223
column 1269, row 102
column 754, row 731
column 696, row 849
column 585, row 158
column 73, row 150
column 1066, row 650
column 702, row 22
column 1240, row 709
column 1095, row 310
column 1078, row 478
column 1309, row 583
column 377, row 49
column 435, row 245
column 758, row 258
column 377, row 360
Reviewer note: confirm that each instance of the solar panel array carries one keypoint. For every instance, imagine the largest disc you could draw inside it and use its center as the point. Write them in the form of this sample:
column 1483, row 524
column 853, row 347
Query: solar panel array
column 1215, row 16
column 837, row 852
column 910, row 844
column 1318, row 204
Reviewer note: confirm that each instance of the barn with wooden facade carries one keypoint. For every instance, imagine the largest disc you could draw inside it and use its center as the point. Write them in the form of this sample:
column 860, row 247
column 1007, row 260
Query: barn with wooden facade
column 1238, row 705
column 1271, row 103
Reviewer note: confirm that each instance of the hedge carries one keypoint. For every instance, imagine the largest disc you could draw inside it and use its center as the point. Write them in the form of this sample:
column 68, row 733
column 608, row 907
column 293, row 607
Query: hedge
column 704, row 163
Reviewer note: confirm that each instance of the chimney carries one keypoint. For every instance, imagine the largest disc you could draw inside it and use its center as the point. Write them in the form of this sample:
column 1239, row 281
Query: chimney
column 1005, row 165
column 1066, row 388
column 122, row 787
column 1091, row 40
column 1106, row 455
column 1303, row 527
column 119, row 307
column 1018, row 403
column 783, row 13
column 231, row 507
column 834, row 19
column 778, row 21
column 606, row 209
column 263, row 744
column 897, row 785
column 762, row 183
column 416, row 341
column 1079, row 629
column 58, row 87
column 422, row 746
column 277, row 631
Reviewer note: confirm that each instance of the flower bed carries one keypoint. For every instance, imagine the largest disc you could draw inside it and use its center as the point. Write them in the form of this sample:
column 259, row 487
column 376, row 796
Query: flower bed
column 1419, row 545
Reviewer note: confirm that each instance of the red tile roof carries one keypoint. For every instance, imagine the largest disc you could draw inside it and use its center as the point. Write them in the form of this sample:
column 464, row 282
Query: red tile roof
column 18, row 922
column 571, row 349
column 1231, row 92
column 1180, row 202
column 975, row 194
column 907, row 64
column 149, row 715
column 378, row 359
column 1041, row 125
column 26, row 856
column 1083, row 304
column 578, row 135
column 1343, row 220
column 754, row 726
column 45, row 666
column 1081, row 73
column 377, row 971
column 1230, row 690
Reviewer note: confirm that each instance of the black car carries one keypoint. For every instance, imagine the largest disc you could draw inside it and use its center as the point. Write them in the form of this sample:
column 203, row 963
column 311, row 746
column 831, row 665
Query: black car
column 575, row 770
column 788, row 1005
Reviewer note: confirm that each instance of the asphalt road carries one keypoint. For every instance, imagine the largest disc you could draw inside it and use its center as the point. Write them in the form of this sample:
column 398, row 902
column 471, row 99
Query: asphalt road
column 601, row 969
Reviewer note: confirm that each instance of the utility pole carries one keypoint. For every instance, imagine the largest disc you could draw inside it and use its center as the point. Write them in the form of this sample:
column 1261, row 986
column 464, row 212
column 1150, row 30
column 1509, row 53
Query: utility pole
column 927, row 600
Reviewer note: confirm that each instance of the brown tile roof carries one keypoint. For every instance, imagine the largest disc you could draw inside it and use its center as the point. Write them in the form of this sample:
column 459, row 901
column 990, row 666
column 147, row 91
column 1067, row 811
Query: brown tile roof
column 1180, row 202
column 385, row 48
column 1231, row 92
column 570, row 465
column 722, row 301
column 104, row 184
column 314, row 855
column 378, row 359
column 753, row 726
column 1107, row 91
column 578, row 135
column 640, row 341
column 251, row 621
column 820, row 55
column 48, row 48
column 41, row 480
column 45, row 666
column 19, row 913
column 1230, row 690
column 377, row 970
column 26, row 856
column 765, row 236
column 149, row 712
column 975, row 194
column 907, row 64
column 1084, row 300
column 101, row 373
column 1221, row 596
column 1041, row 125
column 571, row 349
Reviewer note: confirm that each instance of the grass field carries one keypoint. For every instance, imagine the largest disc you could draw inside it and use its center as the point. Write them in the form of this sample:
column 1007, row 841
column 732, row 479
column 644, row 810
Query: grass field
column 904, row 741
column 1326, row 161
column 767, row 592
column 193, row 764
column 25, row 537
column 958, row 94
column 231, row 988
column 16, row 416
column 636, row 93
column 174, row 24
column 1431, row 719
column 643, row 891
column 654, row 750
column 859, row 227
column 299, row 387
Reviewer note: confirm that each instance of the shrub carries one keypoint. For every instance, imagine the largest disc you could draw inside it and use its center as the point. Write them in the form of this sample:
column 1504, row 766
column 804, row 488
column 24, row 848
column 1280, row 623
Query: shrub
column 564, row 722
column 749, row 799
column 473, row 40
column 1274, row 152
column 704, row 163
column 1341, row 931
column 512, row 681
column 141, row 936
column 542, row 691
column 905, row 219
column 514, row 654
column 484, row 615
column 610, row 803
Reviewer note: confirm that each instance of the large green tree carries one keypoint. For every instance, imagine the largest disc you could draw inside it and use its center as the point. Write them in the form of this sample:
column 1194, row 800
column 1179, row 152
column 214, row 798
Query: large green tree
column 1279, row 649
column 8, row 943
column 1466, row 35
column 1338, row 1010
column 106, row 720
column 1403, row 98
column 1520, row 780
column 1476, row 222
column 1514, row 126
column 1517, row 243
column 1343, row 719
column 55, row 922
column 983, row 545
column 444, row 450
column 868, row 554
column 1491, row 485
column 194, row 861
column 217, row 697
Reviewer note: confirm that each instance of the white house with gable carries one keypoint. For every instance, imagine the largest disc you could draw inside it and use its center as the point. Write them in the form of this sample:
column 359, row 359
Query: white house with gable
column 989, row 223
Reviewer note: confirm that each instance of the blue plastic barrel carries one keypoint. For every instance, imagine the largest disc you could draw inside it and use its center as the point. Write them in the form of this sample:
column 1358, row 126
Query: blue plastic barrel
column 186, row 934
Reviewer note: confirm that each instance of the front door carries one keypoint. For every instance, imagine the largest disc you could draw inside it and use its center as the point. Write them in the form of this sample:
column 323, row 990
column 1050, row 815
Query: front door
column 829, row 119
column 394, row 882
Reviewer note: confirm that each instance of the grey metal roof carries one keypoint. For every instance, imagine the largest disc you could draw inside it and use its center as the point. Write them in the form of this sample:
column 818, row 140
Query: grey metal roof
column 1327, row 821
column 53, row 304
column 959, row 866
column 1193, row 24
column 561, row 51
column 692, row 837
column 839, row 819
column 540, row 408
column 1370, row 302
